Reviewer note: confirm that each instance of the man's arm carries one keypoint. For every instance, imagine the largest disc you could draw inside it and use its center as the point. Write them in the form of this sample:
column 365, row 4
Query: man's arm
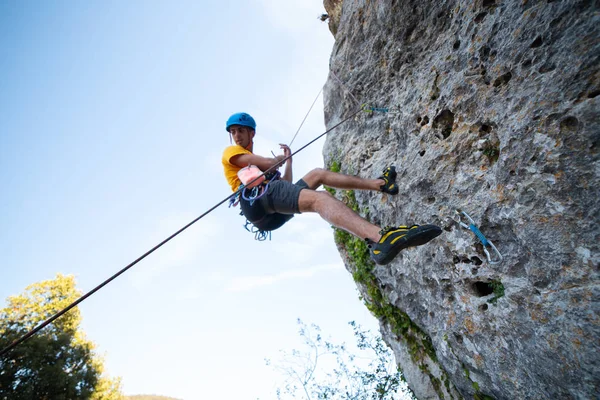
column 264, row 163
column 287, row 175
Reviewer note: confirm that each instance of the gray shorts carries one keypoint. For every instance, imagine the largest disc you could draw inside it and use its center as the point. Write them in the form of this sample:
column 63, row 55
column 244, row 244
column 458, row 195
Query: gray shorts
column 282, row 197
column 275, row 207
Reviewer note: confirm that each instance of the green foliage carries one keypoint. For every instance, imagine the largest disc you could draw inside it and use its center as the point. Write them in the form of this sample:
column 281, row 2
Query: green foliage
column 492, row 153
column 418, row 342
column 58, row 362
column 478, row 395
column 148, row 397
column 369, row 374
column 335, row 166
column 498, row 288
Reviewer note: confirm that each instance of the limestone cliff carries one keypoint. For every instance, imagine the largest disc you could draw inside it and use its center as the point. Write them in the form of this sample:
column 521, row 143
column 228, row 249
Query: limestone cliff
column 492, row 108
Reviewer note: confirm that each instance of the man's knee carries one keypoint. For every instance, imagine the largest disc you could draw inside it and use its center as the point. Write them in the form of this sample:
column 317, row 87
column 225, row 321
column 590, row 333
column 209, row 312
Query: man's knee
column 315, row 177
column 313, row 200
column 315, row 173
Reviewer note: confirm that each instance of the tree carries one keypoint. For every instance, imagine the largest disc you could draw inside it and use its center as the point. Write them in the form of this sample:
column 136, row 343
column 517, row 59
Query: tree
column 58, row 362
column 329, row 371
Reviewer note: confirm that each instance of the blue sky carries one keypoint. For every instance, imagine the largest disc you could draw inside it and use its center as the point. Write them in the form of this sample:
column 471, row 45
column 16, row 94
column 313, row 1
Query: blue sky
column 112, row 121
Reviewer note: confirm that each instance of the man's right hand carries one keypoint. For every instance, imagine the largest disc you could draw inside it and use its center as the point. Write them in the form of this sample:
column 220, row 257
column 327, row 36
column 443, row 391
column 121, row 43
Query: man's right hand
column 279, row 160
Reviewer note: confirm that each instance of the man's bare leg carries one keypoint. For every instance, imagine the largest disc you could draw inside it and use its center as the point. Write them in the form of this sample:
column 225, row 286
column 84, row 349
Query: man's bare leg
column 319, row 176
column 382, row 249
column 337, row 213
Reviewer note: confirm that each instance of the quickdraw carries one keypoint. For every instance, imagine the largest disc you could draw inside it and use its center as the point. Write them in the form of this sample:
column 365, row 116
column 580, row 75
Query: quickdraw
column 486, row 243
column 259, row 234
column 370, row 109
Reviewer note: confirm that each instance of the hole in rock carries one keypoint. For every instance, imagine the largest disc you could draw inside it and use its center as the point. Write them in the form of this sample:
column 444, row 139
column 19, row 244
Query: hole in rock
column 456, row 45
column 480, row 17
column 512, row 173
column 444, row 122
column 485, row 52
column 537, row 42
column 425, row 120
column 483, row 307
column 489, row 3
column 483, row 288
column 485, row 128
column 461, row 259
column 503, row 79
column 431, row 200
column 527, row 63
column 547, row 68
column 418, row 120
column 569, row 124
column 422, row 153
column 476, row 260
column 458, row 338
column 474, row 271
column 593, row 93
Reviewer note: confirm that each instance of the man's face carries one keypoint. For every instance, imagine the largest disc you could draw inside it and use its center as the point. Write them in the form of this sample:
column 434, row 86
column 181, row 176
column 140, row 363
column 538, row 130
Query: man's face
column 242, row 135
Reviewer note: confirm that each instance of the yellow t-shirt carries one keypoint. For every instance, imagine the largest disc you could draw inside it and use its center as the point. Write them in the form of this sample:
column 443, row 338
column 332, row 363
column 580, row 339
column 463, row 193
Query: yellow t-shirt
column 230, row 169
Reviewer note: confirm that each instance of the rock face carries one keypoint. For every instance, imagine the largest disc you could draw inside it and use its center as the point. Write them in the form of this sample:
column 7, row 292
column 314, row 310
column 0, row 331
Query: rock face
column 492, row 108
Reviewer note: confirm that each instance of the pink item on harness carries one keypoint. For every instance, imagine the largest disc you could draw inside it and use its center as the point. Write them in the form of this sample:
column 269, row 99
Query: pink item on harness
column 248, row 175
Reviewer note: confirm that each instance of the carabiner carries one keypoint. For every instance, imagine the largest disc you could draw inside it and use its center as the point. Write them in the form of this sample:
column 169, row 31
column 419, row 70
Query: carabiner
column 486, row 243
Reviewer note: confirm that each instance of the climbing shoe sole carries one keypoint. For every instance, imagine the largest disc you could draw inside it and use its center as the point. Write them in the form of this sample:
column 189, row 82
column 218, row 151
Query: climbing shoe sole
column 383, row 253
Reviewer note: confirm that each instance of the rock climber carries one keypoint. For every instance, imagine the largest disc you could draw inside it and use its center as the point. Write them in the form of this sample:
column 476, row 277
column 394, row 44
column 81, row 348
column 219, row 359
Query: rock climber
column 282, row 199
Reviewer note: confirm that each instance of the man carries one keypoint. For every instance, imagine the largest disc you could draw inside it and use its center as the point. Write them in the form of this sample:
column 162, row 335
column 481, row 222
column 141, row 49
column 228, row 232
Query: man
column 283, row 198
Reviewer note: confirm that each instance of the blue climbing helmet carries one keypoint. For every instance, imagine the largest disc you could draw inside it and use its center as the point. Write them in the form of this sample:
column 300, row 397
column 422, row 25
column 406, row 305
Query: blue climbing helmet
column 243, row 119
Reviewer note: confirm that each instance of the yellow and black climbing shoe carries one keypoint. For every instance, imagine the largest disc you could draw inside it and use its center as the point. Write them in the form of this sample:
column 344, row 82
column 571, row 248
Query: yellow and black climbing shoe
column 395, row 239
column 389, row 176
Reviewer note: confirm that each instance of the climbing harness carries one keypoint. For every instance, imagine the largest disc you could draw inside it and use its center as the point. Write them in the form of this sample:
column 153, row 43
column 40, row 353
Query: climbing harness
column 486, row 243
column 259, row 191
column 253, row 193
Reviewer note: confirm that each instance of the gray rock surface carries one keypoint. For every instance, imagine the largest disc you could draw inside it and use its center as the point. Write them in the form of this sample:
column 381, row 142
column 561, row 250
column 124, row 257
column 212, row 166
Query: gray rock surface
column 493, row 109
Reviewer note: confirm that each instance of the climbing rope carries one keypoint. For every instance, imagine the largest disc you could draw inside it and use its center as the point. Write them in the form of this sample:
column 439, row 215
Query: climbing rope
column 232, row 196
column 306, row 116
column 486, row 243
column 344, row 87
column 94, row 290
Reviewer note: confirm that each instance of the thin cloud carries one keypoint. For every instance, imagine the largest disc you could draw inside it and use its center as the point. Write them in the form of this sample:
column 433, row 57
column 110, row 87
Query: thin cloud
column 246, row 283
